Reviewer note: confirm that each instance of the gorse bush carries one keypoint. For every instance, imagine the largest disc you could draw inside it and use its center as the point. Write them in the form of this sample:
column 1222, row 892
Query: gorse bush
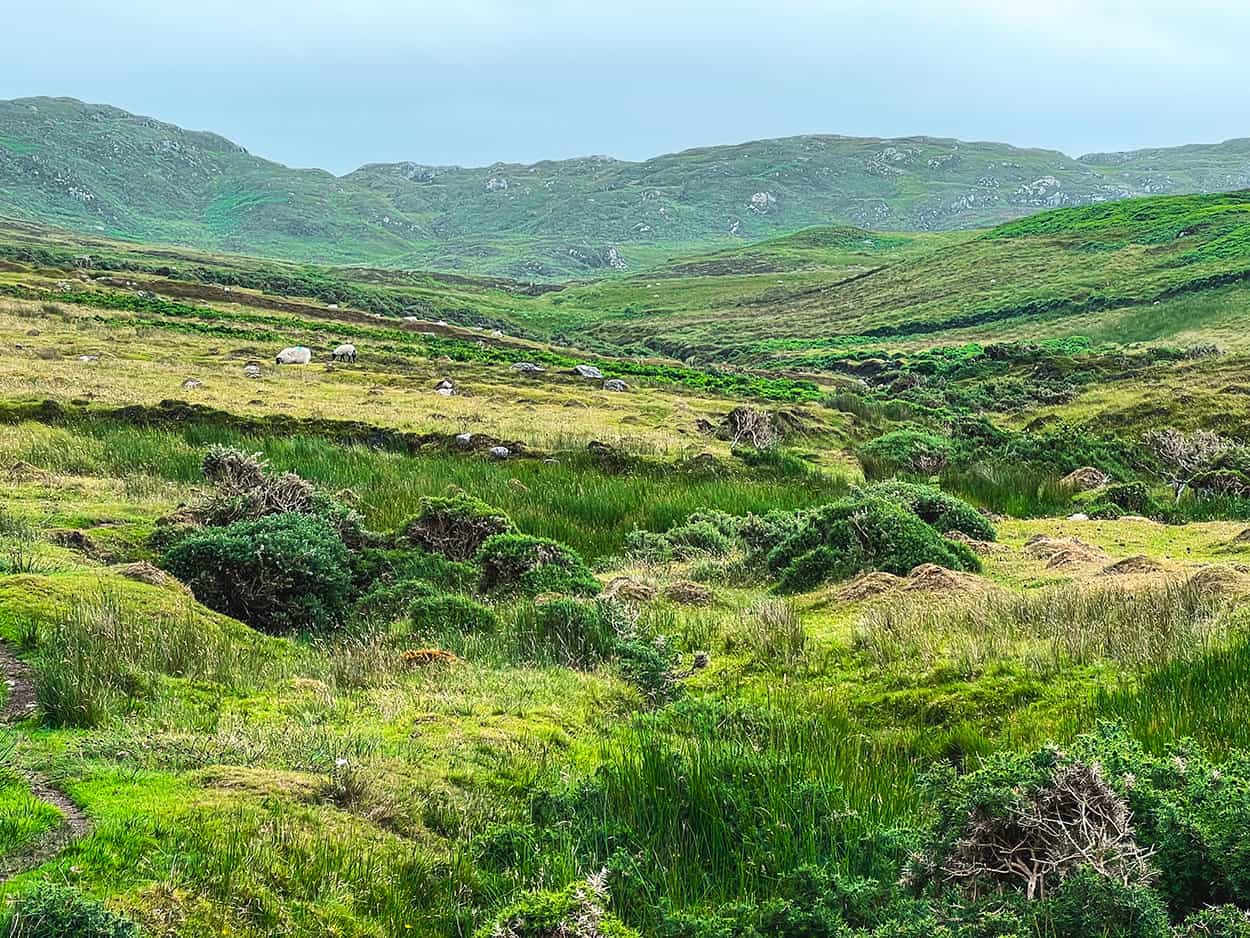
column 455, row 526
column 279, row 573
column 518, row 563
column 373, row 565
column 388, row 600
column 943, row 512
column 867, row 532
column 55, row 911
column 578, row 911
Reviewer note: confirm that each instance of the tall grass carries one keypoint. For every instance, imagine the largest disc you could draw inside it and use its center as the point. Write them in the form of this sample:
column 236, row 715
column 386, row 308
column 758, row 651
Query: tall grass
column 98, row 658
column 1018, row 491
column 714, row 803
column 1050, row 629
column 571, row 501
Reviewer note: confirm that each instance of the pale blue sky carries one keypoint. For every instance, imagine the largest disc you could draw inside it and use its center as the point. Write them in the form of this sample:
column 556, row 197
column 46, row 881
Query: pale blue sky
column 335, row 85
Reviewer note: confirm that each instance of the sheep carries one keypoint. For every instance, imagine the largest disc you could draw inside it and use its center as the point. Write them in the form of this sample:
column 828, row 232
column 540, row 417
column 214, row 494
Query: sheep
column 295, row 355
column 344, row 353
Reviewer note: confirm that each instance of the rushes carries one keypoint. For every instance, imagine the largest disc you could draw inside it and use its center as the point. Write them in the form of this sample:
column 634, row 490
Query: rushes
column 1051, row 629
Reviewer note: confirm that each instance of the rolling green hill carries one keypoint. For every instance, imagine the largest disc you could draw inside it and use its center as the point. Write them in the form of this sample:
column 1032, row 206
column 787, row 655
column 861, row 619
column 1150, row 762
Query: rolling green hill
column 94, row 168
column 1127, row 271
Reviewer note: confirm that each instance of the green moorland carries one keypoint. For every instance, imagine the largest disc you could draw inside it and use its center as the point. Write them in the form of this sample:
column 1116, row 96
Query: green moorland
column 100, row 170
column 834, row 633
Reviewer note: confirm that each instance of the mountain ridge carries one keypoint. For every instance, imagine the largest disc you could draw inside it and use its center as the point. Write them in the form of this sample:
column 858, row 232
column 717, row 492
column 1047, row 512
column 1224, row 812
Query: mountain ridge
column 98, row 168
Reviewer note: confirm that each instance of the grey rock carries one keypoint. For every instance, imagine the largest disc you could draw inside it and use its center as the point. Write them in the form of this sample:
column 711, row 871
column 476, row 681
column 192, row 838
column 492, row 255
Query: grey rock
column 500, row 452
column 615, row 384
column 589, row 371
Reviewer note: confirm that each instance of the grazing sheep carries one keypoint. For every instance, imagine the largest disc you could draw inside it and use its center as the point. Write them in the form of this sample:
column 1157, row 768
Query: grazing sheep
column 344, row 353
column 295, row 355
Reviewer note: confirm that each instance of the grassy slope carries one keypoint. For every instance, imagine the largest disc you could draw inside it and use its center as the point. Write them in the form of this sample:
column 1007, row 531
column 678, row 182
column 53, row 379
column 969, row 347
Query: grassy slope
column 98, row 169
column 1094, row 270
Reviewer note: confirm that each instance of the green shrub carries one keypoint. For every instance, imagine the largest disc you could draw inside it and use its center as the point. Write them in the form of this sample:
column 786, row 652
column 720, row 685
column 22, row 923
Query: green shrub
column 649, row 547
column 577, row 910
column 56, row 911
column 865, row 532
column 455, row 526
column 1088, row 905
column 572, row 632
column 278, row 573
column 649, row 666
column 1225, row 921
column 906, row 450
column 1114, row 501
column 372, row 565
column 451, row 612
column 518, row 563
column 388, row 600
column 937, row 509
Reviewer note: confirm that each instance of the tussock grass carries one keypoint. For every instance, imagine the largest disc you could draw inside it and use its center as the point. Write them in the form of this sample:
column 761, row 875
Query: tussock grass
column 1137, row 628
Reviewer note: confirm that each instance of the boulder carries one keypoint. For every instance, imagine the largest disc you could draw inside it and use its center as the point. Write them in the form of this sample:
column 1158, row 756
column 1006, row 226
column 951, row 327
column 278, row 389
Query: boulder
column 464, row 439
column 589, row 371
column 615, row 384
column 446, row 387
column 499, row 452
column 527, row 368
column 251, row 370
column 192, row 384
column 294, row 355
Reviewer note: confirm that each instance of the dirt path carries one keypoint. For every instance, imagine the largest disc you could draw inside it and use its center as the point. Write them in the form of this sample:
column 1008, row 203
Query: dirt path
column 18, row 705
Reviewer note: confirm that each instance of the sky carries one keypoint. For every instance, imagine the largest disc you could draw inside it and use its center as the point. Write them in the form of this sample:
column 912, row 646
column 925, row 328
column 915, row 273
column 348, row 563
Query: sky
column 471, row 82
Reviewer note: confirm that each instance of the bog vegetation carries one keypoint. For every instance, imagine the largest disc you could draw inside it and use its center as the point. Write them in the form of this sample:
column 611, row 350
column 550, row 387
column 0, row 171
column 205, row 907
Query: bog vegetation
column 917, row 638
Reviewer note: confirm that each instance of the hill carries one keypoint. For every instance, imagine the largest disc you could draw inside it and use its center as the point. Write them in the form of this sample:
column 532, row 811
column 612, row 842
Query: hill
column 98, row 169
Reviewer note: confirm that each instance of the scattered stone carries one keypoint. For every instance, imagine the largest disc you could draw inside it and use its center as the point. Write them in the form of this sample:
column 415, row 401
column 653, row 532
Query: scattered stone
column 868, row 585
column 499, row 452
column 294, row 355
column 615, row 384
column 689, row 594
column 1078, row 517
column 464, row 439
column 1137, row 518
column 589, row 371
column 192, row 384
column 344, row 353
column 527, row 368
column 627, row 588
column 1085, row 479
column 251, row 370
column 87, row 359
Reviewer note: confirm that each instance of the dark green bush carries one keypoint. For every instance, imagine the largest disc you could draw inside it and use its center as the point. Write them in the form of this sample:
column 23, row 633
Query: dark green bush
column 908, row 450
column 1122, row 498
column 649, row 666
column 1225, row 921
column 278, row 573
column 1088, row 905
column 864, row 532
column 388, row 600
column 434, row 614
column 455, row 526
column 373, row 565
column 56, row 911
column 518, row 563
column 937, row 509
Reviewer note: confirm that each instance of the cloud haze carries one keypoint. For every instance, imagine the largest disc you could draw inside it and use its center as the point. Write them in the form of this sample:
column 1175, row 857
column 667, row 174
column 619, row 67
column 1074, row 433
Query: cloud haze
column 315, row 83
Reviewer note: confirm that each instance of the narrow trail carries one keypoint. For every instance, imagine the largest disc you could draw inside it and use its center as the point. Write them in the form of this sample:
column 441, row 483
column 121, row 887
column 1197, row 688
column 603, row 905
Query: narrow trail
column 18, row 705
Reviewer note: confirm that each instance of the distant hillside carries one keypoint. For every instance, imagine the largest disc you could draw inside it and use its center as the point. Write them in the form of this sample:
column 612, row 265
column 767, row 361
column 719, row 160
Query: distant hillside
column 99, row 169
